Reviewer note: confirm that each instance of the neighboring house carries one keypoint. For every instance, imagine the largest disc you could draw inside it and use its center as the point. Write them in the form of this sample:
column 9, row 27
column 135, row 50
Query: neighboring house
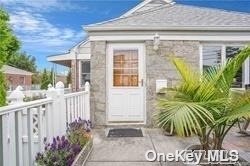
column 125, row 59
column 78, row 59
column 16, row 77
column 61, row 78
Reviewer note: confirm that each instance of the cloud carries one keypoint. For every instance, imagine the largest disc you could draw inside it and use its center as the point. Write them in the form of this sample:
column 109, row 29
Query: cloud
column 42, row 5
column 36, row 32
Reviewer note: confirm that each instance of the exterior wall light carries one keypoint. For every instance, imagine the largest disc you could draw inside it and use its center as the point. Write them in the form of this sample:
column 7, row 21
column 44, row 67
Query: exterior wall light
column 156, row 42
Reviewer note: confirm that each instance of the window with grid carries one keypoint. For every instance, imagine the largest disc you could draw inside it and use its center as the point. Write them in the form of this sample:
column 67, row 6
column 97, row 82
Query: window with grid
column 125, row 68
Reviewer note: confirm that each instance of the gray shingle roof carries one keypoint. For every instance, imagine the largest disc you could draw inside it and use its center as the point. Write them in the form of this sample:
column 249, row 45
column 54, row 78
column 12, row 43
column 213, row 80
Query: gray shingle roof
column 178, row 15
column 13, row 70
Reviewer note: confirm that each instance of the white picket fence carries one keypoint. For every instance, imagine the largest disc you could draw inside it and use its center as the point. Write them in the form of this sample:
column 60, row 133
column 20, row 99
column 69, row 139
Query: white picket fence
column 24, row 125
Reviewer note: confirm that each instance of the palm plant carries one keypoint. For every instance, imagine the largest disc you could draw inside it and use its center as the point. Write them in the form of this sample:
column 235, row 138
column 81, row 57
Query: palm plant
column 204, row 105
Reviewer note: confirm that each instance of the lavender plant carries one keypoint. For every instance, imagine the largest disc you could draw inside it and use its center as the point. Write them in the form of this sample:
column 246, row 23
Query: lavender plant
column 58, row 153
column 62, row 151
column 79, row 132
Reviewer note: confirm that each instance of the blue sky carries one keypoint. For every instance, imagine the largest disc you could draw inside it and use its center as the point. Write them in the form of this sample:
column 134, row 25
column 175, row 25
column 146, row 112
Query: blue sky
column 47, row 27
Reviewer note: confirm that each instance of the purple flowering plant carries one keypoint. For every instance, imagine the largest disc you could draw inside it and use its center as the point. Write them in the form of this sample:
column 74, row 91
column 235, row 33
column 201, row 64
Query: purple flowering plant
column 63, row 150
column 79, row 132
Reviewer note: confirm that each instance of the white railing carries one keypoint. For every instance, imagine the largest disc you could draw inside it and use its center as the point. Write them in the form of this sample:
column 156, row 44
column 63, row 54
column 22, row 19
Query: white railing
column 75, row 108
column 24, row 125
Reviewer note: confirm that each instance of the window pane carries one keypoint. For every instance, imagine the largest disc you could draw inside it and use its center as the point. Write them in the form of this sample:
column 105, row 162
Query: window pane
column 85, row 72
column 125, row 68
column 230, row 53
column 117, row 80
column 211, row 56
column 85, row 78
column 86, row 67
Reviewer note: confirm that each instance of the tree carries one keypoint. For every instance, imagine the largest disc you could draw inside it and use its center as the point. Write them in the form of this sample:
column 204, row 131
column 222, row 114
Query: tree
column 23, row 61
column 2, row 90
column 8, row 46
column 46, row 79
column 204, row 105
column 36, row 78
column 8, row 43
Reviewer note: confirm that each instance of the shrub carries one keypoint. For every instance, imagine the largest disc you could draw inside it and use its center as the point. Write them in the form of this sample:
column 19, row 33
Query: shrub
column 60, row 153
column 79, row 132
column 2, row 90
column 33, row 98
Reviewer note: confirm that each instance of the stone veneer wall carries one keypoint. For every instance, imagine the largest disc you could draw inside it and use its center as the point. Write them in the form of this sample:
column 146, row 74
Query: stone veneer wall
column 98, row 83
column 158, row 66
column 74, row 72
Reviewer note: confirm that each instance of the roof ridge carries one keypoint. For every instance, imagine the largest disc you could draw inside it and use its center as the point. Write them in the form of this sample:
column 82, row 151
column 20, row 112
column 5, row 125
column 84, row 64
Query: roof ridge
column 143, row 4
column 133, row 15
column 211, row 8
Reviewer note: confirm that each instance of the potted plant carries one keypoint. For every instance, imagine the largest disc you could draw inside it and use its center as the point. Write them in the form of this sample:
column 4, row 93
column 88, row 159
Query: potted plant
column 204, row 105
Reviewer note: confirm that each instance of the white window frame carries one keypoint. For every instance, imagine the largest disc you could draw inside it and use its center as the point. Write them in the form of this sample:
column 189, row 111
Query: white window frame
column 80, row 72
column 245, row 67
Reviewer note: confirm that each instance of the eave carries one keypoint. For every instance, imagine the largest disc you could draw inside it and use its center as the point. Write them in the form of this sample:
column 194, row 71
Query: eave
column 172, row 28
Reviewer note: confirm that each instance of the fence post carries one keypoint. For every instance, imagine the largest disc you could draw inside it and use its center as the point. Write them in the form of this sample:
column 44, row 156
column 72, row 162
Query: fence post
column 87, row 89
column 61, row 112
column 16, row 96
column 10, row 130
column 50, row 113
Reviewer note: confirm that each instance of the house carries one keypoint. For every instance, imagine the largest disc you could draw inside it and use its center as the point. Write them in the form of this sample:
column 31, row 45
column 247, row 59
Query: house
column 125, row 59
column 16, row 77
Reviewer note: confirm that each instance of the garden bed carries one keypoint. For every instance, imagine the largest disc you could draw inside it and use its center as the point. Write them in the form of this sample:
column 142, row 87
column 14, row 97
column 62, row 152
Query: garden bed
column 84, row 154
column 70, row 149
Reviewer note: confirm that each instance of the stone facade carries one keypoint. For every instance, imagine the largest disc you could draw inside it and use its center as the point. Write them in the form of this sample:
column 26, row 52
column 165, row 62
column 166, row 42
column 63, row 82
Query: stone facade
column 158, row 66
column 75, row 72
column 98, row 83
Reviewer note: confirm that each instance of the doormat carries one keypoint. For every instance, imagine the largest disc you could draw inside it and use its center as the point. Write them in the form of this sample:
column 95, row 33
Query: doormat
column 125, row 132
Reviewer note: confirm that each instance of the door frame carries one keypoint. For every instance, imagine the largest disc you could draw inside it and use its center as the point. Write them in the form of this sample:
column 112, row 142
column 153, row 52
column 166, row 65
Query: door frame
column 109, row 75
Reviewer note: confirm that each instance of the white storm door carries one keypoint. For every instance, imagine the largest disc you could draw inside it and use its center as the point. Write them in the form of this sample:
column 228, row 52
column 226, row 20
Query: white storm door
column 125, row 78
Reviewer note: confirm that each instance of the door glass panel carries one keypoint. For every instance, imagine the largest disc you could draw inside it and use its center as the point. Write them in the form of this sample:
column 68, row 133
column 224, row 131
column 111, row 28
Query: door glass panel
column 125, row 68
column 238, row 79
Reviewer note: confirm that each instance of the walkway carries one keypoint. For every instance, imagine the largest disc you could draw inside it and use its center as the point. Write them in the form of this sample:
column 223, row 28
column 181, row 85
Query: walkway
column 131, row 151
column 239, row 142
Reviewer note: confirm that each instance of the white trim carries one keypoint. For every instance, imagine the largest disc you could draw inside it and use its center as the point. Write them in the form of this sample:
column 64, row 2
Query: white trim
column 80, row 71
column 165, row 28
column 140, row 5
column 247, row 72
column 79, row 45
column 229, row 38
column 124, row 124
column 201, row 58
column 223, row 53
column 131, row 11
column 71, row 54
